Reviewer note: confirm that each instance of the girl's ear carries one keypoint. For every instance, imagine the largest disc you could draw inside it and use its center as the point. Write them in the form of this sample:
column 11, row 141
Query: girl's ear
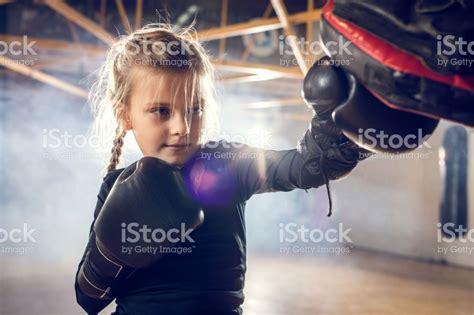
column 124, row 119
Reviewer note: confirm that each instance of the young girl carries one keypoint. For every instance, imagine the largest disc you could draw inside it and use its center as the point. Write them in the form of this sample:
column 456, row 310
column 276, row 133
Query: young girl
column 157, row 84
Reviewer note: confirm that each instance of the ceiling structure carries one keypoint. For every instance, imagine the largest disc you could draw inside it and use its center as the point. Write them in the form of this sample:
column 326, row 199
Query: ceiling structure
column 244, row 38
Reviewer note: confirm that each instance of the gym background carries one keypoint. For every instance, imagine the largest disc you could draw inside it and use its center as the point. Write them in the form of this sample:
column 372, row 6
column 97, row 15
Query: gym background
column 383, row 251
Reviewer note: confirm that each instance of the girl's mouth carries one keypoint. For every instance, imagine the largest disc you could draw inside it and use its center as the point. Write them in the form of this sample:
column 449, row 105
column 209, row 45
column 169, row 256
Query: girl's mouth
column 175, row 147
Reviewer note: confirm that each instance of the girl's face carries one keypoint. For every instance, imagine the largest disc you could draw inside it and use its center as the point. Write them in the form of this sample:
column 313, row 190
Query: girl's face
column 157, row 115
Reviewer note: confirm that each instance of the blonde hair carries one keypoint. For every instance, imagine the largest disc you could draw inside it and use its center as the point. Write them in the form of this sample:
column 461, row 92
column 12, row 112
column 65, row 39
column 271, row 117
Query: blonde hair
column 109, row 96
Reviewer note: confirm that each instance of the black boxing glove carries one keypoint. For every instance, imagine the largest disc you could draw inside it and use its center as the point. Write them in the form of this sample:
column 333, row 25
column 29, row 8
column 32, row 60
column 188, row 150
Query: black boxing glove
column 148, row 207
column 326, row 151
column 325, row 88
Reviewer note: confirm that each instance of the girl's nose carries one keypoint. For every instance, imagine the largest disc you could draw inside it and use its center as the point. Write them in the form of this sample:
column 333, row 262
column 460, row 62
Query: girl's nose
column 179, row 124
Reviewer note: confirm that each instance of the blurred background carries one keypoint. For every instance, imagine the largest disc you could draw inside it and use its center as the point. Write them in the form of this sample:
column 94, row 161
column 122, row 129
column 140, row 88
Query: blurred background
column 388, row 256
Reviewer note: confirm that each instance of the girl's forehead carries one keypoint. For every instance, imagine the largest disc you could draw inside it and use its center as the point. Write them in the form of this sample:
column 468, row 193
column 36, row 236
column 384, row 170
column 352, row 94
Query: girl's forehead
column 156, row 77
column 153, row 86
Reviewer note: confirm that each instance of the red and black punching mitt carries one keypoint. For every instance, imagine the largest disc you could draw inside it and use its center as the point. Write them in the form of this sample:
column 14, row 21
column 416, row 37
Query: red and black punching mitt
column 397, row 78
column 439, row 32
column 335, row 93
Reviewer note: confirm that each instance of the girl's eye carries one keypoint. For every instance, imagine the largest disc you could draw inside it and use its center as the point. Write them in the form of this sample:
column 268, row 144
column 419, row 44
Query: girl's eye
column 164, row 111
column 195, row 110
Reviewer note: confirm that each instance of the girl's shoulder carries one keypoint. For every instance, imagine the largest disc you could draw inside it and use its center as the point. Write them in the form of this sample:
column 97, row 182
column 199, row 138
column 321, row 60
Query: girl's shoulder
column 107, row 184
column 110, row 178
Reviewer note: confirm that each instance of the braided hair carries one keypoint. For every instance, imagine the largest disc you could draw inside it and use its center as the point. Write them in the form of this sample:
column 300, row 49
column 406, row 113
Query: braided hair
column 116, row 151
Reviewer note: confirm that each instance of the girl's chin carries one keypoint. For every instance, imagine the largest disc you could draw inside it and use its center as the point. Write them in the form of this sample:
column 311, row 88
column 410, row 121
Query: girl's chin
column 173, row 157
